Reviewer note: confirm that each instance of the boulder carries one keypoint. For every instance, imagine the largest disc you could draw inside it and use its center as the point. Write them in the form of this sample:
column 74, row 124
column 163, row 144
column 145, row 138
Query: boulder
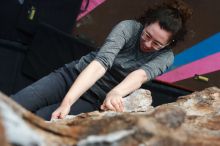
column 192, row 120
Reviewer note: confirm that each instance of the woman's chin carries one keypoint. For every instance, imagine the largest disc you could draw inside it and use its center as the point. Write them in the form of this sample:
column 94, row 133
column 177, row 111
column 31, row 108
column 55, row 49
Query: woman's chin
column 144, row 49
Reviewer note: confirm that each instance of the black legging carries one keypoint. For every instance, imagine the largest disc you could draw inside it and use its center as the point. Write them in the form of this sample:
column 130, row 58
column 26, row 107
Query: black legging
column 45, row 95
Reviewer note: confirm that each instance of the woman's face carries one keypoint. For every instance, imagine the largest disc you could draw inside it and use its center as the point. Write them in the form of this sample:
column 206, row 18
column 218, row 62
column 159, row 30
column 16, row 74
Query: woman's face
column 154, row 38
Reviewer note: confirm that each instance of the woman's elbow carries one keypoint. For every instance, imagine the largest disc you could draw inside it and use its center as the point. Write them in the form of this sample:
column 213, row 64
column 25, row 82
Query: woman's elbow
column 100, row 69
column 142, row 75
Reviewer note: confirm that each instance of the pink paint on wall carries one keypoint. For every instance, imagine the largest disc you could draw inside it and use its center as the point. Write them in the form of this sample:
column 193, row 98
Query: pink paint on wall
column 92, row 5
column 205, row 65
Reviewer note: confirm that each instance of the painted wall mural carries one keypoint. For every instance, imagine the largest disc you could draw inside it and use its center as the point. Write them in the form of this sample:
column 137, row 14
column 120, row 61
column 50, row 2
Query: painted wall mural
column 200, row 59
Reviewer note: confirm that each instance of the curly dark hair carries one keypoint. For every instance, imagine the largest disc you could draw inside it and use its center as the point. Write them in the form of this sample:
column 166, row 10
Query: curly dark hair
column 172, row 16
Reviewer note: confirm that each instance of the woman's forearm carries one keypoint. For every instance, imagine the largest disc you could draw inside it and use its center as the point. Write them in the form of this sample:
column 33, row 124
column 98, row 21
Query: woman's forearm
column 84, row 81
column 132, row 82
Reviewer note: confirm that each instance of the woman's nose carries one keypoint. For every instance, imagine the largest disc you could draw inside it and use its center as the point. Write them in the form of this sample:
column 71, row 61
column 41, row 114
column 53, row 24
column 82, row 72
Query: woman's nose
column 148, row 43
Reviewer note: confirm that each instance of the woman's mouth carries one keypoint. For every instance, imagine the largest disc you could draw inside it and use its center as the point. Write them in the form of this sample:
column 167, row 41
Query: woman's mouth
column 144, row 48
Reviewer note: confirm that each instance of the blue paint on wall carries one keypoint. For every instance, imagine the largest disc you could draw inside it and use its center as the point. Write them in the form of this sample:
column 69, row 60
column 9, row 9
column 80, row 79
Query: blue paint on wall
column 207, row 47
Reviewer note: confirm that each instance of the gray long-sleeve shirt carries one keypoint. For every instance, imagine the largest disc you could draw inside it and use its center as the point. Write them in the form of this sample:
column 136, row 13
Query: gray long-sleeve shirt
column 121, row 54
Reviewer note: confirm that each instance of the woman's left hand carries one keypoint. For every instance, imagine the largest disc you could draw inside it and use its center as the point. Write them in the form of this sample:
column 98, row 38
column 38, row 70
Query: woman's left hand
column 113, row 102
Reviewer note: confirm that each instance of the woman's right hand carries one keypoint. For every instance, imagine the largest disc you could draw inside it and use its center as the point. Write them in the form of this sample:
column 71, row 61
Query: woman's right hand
column 61, row 112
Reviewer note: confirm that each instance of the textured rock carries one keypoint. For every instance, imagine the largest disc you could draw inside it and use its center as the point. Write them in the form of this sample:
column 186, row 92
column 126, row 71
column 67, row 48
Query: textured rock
column 20, row 125
column 192, row 120
column 139, row 101
column 171, row 117
column 201, row 103
column 14, row 125
column 3, row 140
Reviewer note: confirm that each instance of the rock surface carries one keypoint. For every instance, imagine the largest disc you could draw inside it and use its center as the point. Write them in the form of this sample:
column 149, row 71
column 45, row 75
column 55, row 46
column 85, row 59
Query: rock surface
column 191, row 120
column 139, row 101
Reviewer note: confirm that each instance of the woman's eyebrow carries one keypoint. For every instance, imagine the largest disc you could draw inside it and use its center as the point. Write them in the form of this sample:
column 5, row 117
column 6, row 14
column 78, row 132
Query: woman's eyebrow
column 153, row 38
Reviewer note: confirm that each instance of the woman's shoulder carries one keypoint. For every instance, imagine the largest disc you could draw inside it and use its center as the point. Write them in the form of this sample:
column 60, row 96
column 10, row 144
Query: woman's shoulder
column 131, row 23
column 130, row 27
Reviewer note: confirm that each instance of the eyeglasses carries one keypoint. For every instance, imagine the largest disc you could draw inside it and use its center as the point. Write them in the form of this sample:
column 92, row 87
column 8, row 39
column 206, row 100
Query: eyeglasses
column 155, row 44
